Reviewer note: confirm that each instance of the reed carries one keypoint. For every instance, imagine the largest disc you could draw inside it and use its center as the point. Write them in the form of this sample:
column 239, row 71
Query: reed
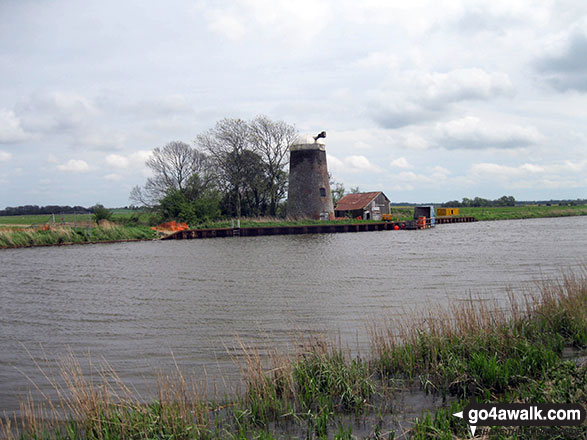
column 477, row 347
column 68, row 235
column 471, row 348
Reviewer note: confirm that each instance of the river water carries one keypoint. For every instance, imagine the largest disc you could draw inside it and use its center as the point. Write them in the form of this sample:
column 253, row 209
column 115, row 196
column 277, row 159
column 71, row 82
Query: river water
column 146, row 306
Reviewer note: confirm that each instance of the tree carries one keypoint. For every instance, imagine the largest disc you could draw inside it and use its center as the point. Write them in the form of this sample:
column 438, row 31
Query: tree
column 249, row 159
column 336, row 189
column 101, row 213
column 172, row 166
column 227, row 144
column 272, row 140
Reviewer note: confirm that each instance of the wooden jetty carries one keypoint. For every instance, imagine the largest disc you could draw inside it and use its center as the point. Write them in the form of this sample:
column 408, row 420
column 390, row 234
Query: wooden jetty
column 329, row 228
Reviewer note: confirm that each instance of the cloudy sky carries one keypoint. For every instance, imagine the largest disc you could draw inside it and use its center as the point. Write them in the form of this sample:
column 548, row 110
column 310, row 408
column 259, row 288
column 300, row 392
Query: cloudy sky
column 434, row 101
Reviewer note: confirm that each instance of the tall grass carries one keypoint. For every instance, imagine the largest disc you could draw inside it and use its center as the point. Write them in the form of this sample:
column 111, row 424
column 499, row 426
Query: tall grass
column 66, row 235
column 474, row 347
column 275, row 222
column 471, row 348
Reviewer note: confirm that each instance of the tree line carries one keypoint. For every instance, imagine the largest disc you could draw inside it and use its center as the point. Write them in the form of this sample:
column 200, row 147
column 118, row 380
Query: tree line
column 237, row 168
column 45, row 210
column 480, row 202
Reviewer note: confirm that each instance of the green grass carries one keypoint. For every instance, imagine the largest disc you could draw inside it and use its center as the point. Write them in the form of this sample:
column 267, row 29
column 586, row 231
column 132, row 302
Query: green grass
column 470, row 349
column 521, row 212
column 119, row 216
column 400, row 213
column 66, row 235
column 276, row 222
column 27, row 220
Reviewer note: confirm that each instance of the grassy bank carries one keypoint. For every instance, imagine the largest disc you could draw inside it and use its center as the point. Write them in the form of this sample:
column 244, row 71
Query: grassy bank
column 521, row 212
column 403, row 213
column 275, row 221
column 118, row 216
column 321, row 391
column 66, row 235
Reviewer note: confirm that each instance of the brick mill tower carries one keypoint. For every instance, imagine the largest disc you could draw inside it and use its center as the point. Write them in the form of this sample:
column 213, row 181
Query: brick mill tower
column 309, row 185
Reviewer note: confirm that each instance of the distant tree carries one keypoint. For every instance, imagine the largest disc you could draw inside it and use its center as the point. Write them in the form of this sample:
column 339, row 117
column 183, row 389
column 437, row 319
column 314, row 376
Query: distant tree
column 272, row 140
column 336, row 189
column 452, row 204
column 101, row 213
column 355, row 190
column 172, row 167
column 505, row 201
column 227, row 144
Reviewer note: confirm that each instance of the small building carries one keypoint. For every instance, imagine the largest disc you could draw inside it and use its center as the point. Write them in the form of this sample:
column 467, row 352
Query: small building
column 446, row 212
column 426, row 211
column 369, row 206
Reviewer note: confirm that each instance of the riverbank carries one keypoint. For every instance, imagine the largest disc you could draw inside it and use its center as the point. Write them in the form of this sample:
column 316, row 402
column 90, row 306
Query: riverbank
column 523, row 212
column 322, row 391
column 403, row 213
column 63, row 235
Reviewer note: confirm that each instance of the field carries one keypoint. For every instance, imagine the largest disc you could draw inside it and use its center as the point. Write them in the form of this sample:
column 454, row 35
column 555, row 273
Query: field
column 527, row 211
column 503, row 213
column 400, row 213
column 121, row 216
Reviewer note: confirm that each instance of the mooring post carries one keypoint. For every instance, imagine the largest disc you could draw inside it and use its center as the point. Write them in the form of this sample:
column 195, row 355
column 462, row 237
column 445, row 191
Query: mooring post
column 236, row 232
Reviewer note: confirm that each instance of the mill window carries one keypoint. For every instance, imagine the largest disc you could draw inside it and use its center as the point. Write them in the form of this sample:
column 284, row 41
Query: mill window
column 322, row 192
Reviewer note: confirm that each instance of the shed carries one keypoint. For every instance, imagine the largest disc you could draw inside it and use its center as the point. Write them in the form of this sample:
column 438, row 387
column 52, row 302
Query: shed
column 425, row 211
column 369, row 205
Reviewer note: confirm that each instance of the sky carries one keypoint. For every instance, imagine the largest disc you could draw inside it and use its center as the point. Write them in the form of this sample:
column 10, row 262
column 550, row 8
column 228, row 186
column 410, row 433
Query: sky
column 427, row 101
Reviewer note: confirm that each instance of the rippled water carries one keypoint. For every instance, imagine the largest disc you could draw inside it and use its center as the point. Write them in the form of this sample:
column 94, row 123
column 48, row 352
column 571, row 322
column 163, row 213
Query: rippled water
column 134, row 304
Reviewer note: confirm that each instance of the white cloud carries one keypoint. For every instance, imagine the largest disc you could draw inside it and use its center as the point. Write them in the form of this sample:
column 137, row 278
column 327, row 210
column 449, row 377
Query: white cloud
column 134, row 160
column 5, row 156
column 10, row 128
column 415, row 141
column 113, row 177
column 352, row 164
column 529, row 175
column 227, row 24
column 401, row 162
column 293, row 22
column 56, row 112
column 117, row 161
column 439, row 173
column 138, row 158
column 418, row 97
column 472, row 133
column 377, row 60
column 74, row 166
column 466, row 84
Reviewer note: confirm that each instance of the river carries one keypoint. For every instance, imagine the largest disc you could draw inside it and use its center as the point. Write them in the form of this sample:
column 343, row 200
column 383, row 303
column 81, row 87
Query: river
column 145, row 306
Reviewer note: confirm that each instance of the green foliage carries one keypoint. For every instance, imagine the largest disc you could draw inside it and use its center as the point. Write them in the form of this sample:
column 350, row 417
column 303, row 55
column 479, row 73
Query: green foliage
column 176, row 205
column 327, row 381
column 101, row 213
column 67, row 235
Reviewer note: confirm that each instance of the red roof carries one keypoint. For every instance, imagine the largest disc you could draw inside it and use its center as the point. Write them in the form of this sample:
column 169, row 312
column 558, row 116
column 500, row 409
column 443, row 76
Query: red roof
column 351, row 202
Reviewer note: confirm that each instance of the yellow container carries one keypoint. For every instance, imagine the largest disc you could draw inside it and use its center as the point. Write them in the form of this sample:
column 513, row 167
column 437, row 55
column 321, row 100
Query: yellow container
column 387, row 217
column 446, row 212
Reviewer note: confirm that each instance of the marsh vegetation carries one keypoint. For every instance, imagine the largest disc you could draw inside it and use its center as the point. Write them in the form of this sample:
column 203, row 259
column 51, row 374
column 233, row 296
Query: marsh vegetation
column 472, row 348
